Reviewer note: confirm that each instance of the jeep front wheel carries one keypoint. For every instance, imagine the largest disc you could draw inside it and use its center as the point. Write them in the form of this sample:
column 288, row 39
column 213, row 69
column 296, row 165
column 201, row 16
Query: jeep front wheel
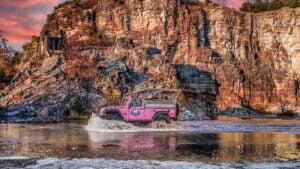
column 162, row 117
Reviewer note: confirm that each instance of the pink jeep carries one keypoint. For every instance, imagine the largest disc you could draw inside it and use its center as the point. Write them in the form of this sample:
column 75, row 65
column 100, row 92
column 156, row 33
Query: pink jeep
column 145, row 106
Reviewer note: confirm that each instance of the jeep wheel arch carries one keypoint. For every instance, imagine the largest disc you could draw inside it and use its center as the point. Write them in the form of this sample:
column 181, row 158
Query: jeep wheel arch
column 162, row 116
column 112, row 114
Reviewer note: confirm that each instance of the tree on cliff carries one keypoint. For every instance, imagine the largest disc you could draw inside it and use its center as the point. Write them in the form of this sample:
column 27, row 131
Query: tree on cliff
column 262, row 6
column 81, row 69
column 7, row 58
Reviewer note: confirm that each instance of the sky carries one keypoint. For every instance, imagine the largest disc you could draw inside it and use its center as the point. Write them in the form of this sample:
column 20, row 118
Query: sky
column 21, row 19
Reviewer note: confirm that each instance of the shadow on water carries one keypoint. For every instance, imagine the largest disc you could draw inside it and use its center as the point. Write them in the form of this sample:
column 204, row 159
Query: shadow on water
column 71, row 140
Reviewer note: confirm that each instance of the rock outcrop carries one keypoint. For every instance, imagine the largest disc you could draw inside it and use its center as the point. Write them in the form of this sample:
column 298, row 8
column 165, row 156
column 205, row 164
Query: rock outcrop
column 221, row 57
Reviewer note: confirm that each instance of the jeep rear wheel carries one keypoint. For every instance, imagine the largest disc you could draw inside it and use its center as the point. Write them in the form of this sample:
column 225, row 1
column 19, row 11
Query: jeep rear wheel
column 162, row 117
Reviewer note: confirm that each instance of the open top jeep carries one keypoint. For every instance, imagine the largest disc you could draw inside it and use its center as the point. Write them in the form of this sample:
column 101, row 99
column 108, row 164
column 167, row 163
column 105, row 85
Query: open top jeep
column 145, row 106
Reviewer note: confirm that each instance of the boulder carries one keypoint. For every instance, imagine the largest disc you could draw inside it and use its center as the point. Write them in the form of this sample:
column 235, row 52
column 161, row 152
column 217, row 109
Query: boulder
column 241, row 112
column 13, row 113
column 49, row 64
column 187, row 115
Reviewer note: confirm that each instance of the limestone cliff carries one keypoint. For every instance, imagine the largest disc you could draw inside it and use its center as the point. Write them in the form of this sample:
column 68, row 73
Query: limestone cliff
column 221, row 57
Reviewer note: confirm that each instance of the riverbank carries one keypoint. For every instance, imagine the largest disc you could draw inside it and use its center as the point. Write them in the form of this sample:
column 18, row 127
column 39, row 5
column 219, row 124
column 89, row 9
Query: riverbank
column 54, row 163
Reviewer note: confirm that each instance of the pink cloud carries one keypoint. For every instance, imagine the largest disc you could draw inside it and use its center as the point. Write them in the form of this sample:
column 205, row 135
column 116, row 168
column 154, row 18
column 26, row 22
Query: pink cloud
column 21, row 19
column 234, row 3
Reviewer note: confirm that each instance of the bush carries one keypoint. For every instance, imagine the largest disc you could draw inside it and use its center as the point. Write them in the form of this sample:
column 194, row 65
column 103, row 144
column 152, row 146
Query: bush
column 284, row 111
column 288, row 113
column 17, row 58
column 77, row 106
column 66, row 3
column 120, row 1
column 262, row 6
column 2, row 75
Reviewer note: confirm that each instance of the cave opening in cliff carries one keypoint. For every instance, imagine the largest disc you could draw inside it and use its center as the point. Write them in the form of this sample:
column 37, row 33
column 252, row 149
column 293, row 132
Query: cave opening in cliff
column 55, row 43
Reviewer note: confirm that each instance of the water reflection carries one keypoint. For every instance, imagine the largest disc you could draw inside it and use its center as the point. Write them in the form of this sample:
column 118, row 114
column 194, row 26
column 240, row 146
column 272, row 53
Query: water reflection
column 71, row 140
column 224, row 147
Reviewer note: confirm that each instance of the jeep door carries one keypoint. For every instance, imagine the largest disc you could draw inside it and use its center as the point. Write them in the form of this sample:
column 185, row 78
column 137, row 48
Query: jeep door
column 136, row 110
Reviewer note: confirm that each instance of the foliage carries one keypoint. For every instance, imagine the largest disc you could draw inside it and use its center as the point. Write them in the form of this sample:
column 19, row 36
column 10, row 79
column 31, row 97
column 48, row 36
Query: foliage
column 2, row 75
column 284, row 111
column 17, row 58
column 89, row 4
column 79, row 68
column 5, row 50
column 288, row 113
column 78, row 106
column 120, row 1
column 8, row 59
column 66, row 3
column 262, row 6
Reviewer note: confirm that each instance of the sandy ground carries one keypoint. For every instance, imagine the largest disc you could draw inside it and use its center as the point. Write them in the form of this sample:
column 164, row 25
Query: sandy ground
column 53, row 163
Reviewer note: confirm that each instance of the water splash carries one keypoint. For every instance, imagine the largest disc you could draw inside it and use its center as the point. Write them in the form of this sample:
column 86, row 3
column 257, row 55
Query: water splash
column 95, row 123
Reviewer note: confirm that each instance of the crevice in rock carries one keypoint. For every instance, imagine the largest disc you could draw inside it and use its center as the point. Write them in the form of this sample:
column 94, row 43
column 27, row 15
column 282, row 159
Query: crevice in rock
column 206, row 24
column 128, row 21
column 166, row 24
column 251, row 29
column 199, row 33
column 270, row 86
column 231, row 32
column 257, row 59
column 172, row 48
column 175, row 12
column 297, row 88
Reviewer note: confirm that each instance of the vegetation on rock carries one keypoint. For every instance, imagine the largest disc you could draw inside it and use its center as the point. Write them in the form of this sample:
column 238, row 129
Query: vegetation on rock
column 8, row 59
column 262, row 6
column 79, row 69
column 120, row 1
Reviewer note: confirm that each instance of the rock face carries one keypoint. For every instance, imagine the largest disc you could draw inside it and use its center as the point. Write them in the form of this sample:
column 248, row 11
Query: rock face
column 222, row 58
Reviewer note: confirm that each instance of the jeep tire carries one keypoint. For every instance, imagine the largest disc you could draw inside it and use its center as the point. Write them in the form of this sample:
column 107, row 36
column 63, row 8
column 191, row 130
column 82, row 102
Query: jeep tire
column 162, row 117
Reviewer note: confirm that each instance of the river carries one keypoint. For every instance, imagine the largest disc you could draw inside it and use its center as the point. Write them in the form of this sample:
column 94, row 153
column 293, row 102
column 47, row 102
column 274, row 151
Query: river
column 202, row 141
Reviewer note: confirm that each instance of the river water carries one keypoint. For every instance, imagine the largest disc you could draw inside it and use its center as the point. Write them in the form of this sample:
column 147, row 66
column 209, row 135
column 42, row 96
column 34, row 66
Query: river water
column 204, row 141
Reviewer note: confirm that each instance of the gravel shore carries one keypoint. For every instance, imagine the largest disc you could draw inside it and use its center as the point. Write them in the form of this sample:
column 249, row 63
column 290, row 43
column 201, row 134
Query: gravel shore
column 53, row 163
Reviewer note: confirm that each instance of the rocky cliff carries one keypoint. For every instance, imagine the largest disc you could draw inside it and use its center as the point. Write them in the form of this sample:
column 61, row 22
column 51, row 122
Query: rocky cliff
column 221, row 57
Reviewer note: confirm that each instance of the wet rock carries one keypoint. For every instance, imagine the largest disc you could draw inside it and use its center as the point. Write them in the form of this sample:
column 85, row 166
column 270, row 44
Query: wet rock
column 187, row 115
column 241, row 112
column 13, row 113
